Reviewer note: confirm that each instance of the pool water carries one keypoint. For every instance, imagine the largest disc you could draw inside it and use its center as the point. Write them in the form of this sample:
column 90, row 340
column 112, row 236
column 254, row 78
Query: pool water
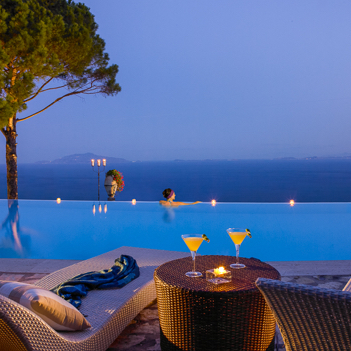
column 71, row 229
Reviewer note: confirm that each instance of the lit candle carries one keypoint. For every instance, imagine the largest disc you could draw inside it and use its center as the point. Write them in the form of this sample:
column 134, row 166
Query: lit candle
column 219, row 271
column 58, row 200
column 99, row 163
column 94, row 210
column 100, row 208
column 213, row 202
column 133, row 201
column 104, row 162
column 92, row 162
column 105, row 208
column 292, row 202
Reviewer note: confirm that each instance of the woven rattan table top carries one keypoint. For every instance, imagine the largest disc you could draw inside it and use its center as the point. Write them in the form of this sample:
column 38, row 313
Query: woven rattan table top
column 243, row 280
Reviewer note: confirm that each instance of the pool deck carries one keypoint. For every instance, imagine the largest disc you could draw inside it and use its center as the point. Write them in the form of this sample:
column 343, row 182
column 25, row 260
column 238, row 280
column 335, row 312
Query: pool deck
column 143, row 333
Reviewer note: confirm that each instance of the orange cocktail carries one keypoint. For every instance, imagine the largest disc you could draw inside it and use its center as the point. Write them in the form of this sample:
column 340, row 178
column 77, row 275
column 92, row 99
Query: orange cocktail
column 238, row 235
column 193, row 242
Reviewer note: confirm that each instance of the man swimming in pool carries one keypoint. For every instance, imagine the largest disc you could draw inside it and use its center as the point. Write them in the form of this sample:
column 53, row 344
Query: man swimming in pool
column 170, row 195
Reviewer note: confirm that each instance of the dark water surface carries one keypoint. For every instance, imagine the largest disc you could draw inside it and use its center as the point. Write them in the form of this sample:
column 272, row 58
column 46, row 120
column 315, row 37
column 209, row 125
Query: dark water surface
column 226, row 181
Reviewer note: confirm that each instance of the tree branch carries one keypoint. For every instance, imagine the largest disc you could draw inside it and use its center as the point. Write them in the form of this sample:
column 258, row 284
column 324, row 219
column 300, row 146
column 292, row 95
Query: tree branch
column 62, row 86
column 83, row 91
column 38, row 91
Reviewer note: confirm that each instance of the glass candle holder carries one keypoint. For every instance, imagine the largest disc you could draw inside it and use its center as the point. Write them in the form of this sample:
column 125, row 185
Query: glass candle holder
column 218, row 276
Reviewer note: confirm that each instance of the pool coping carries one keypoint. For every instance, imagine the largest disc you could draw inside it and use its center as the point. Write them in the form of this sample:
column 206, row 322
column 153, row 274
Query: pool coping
column 285, row 268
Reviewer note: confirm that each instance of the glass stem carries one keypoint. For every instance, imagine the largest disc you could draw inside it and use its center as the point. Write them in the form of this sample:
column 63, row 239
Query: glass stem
column 237, row 253
column 193, row 255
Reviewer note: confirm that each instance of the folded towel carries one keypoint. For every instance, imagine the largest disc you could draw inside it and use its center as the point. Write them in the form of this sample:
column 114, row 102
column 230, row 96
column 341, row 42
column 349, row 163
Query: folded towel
column 121, row 273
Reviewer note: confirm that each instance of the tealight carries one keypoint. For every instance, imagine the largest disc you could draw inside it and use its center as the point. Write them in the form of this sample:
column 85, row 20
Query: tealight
column 218, row 271
column 218, row 275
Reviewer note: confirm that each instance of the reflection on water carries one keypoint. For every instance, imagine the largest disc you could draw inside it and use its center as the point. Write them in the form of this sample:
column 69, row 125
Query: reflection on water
column 13, row 240
column 169, row 214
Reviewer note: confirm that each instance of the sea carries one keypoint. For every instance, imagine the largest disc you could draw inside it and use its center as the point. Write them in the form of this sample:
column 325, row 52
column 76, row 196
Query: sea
column 311, row 180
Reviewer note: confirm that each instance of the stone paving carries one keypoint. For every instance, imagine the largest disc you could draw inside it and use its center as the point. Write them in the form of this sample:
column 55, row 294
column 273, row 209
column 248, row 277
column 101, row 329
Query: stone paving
column 143, row 333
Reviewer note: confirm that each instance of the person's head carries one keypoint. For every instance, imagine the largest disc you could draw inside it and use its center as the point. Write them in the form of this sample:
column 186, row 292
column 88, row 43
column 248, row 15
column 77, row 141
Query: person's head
column 169, row 194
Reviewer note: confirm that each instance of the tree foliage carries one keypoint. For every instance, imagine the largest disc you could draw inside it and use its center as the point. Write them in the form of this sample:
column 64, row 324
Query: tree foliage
column 47, row 45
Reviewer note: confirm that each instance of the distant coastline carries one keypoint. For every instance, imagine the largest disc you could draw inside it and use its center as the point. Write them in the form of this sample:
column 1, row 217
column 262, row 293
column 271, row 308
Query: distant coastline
column 86, row 158
column 82, row 159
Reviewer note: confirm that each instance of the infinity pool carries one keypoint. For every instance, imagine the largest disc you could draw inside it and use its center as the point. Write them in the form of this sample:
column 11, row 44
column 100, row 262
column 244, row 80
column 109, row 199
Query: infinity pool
column 71, row 229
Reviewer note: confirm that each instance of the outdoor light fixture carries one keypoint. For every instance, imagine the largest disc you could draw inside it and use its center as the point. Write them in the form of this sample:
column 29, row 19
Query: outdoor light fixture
column 98, row 162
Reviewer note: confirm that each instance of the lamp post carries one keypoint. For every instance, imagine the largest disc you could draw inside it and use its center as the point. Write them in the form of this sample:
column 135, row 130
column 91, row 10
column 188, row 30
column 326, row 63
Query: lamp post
column 98, row 162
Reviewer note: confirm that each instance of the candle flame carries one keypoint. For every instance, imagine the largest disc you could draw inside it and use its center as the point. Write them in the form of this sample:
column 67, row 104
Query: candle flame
column 58, row 200
column 213, row 202
column 100, row 208
column 218, row 271
column 292, row 202
column 133, row 201
column 105, row 208
column 94, row 210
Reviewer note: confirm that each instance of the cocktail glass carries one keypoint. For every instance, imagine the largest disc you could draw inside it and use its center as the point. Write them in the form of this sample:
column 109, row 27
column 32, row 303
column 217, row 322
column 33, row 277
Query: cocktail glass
column 237, row 235
column 193, row 241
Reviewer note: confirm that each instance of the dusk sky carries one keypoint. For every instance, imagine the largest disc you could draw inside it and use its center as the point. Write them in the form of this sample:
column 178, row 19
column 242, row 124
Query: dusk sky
column 208, row 79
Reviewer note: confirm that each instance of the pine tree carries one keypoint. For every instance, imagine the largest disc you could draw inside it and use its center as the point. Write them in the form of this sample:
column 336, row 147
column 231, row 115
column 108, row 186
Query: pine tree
column 46, row 45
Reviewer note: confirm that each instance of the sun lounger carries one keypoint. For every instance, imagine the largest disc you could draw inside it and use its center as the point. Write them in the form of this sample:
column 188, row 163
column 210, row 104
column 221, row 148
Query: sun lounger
column 108, row 311
column 309, row 318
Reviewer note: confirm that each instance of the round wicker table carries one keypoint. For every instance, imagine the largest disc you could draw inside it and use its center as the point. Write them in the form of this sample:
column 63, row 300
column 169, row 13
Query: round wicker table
column 197, row 315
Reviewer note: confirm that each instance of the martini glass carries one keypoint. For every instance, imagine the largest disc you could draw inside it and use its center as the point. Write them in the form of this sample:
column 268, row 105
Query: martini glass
column 193, row 241
column 237, row 235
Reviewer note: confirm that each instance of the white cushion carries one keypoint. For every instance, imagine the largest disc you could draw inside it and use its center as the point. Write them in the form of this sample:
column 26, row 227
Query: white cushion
column 53, row 309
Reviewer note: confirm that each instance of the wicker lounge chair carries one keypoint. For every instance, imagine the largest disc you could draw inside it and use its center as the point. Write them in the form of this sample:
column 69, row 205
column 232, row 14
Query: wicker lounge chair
column 108, row 311
column 309, row 318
